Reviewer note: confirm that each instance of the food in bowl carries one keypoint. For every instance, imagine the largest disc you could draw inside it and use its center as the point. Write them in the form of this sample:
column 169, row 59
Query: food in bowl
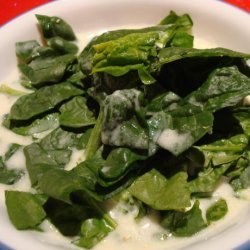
column 160, row 125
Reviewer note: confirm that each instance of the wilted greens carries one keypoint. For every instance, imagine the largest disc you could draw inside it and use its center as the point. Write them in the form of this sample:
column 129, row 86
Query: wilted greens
column 159, row 120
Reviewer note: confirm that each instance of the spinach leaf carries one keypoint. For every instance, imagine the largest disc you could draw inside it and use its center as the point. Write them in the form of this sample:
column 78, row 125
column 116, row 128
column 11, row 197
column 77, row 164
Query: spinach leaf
column 243, row 181
column 83, row 139
column 217, row 211
column 224, row 87
column 93, row 231
column 42, row 100
column 13, row 148
column 94, row 141
column 24, row 209
column 183, row 224
column 119, row 161
column 184, row 21
column 178, row 130
column 121, row 122
column 25, row 50
column 10, row 91
column 53, row 151
column 160, row 193
column 55, row 26
column 62, row 46
column 75, row 113
column 44, row 70
column 118, row 52
column 9, row 176
column 208, row 179
column 162, row 102
column 170, row 54
column 48, row 122
column 242, row 115
column 60, row 184
column 224, row 150
column 182, row 39
column 67, row 217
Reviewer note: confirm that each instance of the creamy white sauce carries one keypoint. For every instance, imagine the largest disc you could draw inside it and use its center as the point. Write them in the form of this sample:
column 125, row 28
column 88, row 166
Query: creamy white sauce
column 129, row 234
column 172, row 140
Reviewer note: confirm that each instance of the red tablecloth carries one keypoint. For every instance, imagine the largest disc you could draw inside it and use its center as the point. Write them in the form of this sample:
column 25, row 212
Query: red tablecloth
column 11, row 8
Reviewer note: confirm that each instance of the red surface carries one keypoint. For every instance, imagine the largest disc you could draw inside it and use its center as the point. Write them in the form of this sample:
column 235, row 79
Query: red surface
column 12, row 8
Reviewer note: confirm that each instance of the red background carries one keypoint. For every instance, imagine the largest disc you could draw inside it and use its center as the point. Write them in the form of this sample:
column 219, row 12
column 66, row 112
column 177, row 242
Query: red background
column 11, row 8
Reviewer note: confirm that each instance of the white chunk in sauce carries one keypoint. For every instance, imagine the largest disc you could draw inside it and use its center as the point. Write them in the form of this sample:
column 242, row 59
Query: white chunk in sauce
column 129, row 234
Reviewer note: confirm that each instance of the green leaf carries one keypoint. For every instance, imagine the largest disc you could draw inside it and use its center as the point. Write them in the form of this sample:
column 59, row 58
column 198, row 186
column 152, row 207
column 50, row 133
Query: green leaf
column 217, row 211
column 162, row 102
column 42, row 100
column 55, row 26
column 13, row 148
column 53, row 151
column 242, row 115
column 44, row 70
column 178, row 130
column 224, row 150
column 121, row 122
column 119, row 161
column 10, row 91
column 10, row 176
column 94, row 141
column 243, row 181
column 62, row 46
column 93, row 231
column 24, row 209
column 160, row 193
column 224, row 87
column 183, row 224
column 171, row 54
column 75, row 113
column 208, row 179
column 48, row 122
column 25, row 50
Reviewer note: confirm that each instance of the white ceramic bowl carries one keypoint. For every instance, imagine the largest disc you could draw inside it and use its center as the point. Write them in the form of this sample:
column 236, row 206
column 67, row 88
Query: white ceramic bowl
column 214, row 22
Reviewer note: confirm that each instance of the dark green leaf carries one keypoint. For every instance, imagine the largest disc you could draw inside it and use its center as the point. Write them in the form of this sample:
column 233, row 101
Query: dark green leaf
column 53, row 151
column 43, row 70
column 55, row 26
column 42, row 100
column 13, row 148
column 62, row 46
column 48, row 122
column 224, row 87
column 184, row 224
column 75, row 113
column 119, row 161
column 24, row 50
column 171, row 54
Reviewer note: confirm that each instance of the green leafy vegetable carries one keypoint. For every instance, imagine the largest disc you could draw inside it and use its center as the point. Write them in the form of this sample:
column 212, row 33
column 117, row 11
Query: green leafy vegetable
column 75, row 113
column 42, row 100
column 24, row 209
column 217, row 211
column 151, row 148
column 55, row 26
column 160, row 193
column 184, row 223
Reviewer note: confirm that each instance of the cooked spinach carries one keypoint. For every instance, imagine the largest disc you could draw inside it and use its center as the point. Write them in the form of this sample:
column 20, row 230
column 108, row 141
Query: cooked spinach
column 161, row 122
column 217, row 211
column 9, row 175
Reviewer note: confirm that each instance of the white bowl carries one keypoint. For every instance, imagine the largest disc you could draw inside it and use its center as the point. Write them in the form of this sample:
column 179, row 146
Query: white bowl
column 215, row 23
